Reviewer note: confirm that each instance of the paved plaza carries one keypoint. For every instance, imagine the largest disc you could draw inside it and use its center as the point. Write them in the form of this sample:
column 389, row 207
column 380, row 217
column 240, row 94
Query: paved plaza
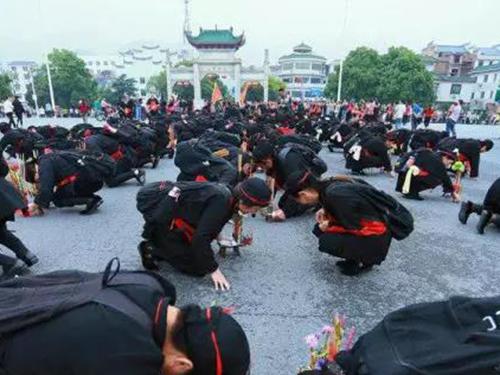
column 282, row 287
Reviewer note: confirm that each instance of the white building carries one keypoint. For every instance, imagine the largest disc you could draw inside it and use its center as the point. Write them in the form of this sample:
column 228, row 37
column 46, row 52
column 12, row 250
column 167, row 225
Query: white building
column 22, row 73
column 140, row 62
column 487, row 88
column 451, row 88
column 487, row 56
column 303, row 72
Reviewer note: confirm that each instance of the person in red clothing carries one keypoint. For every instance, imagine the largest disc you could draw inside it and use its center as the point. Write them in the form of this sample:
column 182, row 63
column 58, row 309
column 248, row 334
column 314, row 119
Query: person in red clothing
column 428, row 115
column 84, row 109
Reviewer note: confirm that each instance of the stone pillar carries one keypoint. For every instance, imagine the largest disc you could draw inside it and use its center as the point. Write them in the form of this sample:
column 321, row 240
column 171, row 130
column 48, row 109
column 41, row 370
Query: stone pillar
column 237, row 82
column 168, row 67
column 198, row 101
column 267, row 72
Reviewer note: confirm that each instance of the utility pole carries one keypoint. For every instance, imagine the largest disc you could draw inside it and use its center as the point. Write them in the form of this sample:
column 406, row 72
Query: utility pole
column 35, row 97
column 51, row 89
column 187, row 20
column 341, row 68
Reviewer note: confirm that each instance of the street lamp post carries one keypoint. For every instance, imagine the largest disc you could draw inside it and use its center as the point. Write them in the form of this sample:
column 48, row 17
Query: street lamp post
column 35, row 97
column 341, row 68
column 51, row 89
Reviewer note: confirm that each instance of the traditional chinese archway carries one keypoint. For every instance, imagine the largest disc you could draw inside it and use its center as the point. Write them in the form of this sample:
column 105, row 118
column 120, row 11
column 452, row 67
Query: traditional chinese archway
column 216, row 55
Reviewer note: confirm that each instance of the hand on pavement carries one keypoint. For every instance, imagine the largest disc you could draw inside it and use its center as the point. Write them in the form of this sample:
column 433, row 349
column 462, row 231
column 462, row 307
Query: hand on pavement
column 220, row 281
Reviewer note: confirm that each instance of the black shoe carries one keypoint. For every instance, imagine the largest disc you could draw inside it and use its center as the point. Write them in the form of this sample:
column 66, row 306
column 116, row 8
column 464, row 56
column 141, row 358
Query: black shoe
column 140, row 176
column 171, row 153
column 146, row 250
column 356, row 268
column 465, row 211
column 16, row 269
column 415, row 197
column 358, row 173
column 484, row 220
column 343, row 264
column 155, row 160
column 330, row 148
column 92, row 206
column 30, row 259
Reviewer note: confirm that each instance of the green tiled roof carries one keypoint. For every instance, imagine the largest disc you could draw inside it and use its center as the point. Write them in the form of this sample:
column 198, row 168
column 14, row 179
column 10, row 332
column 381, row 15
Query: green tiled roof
column 487, row 69
column 215, row 37
column 455, row 79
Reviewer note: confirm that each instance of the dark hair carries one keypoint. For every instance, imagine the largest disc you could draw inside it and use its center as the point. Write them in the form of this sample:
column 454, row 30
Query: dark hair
column 302, row 180
column 488, row 144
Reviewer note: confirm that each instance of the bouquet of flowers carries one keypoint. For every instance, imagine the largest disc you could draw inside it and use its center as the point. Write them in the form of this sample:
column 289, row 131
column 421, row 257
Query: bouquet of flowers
column 327, row 343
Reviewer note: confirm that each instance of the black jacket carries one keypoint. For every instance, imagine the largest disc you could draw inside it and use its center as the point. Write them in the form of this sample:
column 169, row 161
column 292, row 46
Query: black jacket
column 470, row 148
column 375, row 146
column 492, row 199
column 52, row 169
column 345, row 202
column 430, row 161
column 90, row 339
column 10, row 199
column 206, row 207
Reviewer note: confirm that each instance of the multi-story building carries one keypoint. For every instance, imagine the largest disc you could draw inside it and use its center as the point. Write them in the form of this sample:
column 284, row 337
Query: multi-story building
column 140, row 62
column 487, row 87
column 304, row 73
column 487, row 56
column 21, row 72
column 451, row 60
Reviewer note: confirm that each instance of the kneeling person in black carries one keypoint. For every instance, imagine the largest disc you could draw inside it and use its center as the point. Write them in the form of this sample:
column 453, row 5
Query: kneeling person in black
column 129, row 326
column 352, row 223
column 489, row 211
column 65, row 181
column 183, row 218
column 423, row 170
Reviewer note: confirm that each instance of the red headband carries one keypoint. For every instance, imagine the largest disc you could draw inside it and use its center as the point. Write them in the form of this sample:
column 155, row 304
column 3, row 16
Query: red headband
column 253, row 200
column 303, row 179
column 216, row 346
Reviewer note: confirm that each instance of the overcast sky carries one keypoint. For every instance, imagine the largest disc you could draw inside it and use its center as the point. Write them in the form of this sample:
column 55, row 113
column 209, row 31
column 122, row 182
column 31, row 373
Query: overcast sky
column 104, row 26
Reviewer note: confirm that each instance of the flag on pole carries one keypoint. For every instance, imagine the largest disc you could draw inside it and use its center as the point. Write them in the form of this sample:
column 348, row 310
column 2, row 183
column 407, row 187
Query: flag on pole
column 243, row 95
column 216, row 94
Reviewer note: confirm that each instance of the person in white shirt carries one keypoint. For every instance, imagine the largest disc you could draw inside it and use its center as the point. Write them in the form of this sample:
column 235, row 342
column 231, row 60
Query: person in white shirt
column 8, row 109
column 399, row 111
column 453, row 117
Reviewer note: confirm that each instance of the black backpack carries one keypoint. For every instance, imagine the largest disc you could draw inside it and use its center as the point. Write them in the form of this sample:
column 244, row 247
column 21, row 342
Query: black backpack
column 460, row 336
column 91, row 166
column 150, row 197
column 316, row 164
column 399, row 219
column 30, row 300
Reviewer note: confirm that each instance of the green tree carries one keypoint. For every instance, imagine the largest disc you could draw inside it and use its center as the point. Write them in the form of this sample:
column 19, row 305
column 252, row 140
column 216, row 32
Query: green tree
column 184, row 92
column 5, row 86
column 71, row 80
column 255, row 93
column 275, row 86
column 119, row 87
column 158, row 84
column 360, row 78
column 207, row 87
column 403, row 76
column 397, row 75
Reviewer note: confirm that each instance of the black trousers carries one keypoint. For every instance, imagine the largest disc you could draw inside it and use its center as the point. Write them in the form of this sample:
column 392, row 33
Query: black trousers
column 10, row 116
column 19, row 119
column 10, row 241
column 123, row 173
column 418, row 183
column 363, row 163
column 174, row 248
column 77, row 194
column 369, row 250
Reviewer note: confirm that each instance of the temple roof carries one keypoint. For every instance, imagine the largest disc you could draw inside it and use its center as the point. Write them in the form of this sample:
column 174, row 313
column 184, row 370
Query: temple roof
column 493, row 68
column 302, row 48
column 215, row 38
